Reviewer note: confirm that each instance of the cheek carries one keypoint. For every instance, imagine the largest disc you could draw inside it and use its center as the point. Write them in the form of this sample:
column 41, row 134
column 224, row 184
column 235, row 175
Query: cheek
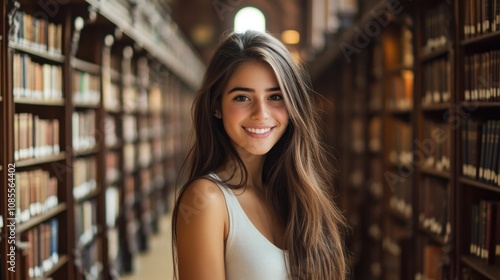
column 282, row 116
column 233, row 113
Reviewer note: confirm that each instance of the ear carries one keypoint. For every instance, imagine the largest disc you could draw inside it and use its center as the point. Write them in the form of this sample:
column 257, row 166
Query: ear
column 217, row 114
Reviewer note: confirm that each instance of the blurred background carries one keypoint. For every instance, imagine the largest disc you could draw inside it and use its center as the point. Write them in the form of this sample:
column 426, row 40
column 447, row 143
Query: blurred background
column 95, row 102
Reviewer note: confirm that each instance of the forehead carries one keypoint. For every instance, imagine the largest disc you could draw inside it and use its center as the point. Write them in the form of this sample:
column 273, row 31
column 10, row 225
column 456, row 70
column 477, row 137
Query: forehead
column 253, row 72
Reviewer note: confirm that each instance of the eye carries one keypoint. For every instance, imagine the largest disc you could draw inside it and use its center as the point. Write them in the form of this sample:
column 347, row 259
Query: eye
column 276, row 97
column 241, row 98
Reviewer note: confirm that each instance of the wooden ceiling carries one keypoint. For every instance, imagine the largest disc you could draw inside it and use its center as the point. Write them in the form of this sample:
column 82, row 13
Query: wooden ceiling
column 204, row 21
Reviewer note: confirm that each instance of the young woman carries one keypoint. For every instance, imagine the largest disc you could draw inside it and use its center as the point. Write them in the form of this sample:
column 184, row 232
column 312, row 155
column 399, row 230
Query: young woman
column 258, row 201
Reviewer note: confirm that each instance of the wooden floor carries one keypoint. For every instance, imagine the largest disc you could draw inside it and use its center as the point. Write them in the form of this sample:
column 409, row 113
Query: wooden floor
column 156, row 263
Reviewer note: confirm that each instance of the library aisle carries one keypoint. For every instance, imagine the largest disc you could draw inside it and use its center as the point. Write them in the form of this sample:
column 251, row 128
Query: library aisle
column 95, row 123
column 157, row 262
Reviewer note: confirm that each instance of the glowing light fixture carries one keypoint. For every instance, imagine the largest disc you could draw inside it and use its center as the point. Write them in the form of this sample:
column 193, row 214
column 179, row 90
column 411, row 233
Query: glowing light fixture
column 290, row 37
column 249, row 18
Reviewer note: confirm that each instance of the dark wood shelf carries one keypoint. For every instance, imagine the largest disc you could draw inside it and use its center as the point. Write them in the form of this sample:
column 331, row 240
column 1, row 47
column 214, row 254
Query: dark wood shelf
column 482, row 39
column 113, row 111
column 489, row 271
column 399, row 68
column 60, row 263
column 400, row 111
column 435, row 107
column 87, row 105
column 433, row 236
column 115, row 146
column 36, row 161
column 34, row 221
column 86, row 152
column 431, row 172
column 85, row 66
column 39, row 102
column 480, row 185
column 92, row 194
column 85, row 51
column 53, row 57
column 480, row 104
column 398, row 215
column 80, row 247
column 435, row 53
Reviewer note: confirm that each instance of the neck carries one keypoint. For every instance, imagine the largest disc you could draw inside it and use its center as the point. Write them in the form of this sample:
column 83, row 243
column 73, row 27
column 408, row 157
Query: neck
column 253, row 164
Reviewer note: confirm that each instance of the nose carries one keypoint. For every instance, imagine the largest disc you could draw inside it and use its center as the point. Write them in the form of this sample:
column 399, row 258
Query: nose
column 260, row 110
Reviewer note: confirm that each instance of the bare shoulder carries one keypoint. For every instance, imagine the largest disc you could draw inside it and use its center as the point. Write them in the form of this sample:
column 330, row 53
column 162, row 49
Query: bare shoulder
column 201, row 231
column 202, row 196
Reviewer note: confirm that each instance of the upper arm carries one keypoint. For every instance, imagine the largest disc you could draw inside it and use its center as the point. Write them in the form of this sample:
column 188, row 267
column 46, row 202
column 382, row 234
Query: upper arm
column 200, row 232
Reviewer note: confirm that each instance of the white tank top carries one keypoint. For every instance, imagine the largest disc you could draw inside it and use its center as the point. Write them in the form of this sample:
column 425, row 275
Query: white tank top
column 249, row 254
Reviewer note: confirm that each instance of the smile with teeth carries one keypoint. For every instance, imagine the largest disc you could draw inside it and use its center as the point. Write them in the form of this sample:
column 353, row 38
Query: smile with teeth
column 258, row 130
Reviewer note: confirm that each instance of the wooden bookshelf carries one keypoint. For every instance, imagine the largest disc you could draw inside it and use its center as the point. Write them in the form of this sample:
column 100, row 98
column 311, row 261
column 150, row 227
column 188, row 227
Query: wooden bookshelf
column 454, row 105
column 78, row 96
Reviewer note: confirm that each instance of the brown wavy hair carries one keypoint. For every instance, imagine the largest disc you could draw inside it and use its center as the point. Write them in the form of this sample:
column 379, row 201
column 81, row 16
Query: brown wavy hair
column 296, row 170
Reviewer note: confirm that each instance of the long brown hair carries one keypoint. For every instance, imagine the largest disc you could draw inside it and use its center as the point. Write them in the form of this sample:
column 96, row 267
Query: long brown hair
column 296, row 171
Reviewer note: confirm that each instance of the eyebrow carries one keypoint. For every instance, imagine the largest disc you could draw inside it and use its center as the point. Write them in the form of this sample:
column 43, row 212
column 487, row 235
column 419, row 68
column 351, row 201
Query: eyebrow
column 245, row 89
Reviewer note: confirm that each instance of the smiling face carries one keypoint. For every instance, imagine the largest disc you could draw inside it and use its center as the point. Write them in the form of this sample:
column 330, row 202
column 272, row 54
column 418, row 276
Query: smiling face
column 253, row 110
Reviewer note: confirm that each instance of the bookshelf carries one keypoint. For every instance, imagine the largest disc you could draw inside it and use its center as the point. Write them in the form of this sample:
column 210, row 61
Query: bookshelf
column 91, row 104
column 439, row 217
column 372, row 95
column 477, row 39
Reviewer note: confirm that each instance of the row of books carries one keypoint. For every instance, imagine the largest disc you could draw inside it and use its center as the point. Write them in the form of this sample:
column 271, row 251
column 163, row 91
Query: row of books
column 42, row 246
column 436, row 86
column 36, row 193
column 85, row 222
column 110, row 130
column 470, row 274
column 111, row 96
column 84, row 176
column 357, row 134
column 401, row 94
column 436, row 27
column 151, row 127
column 375, row 178
column 434, row 149
column 401, row 198
column 88, row 261
column 407, row 59
column 36, row 80
column 485, row 231
column 84, row 130
column 433, row 268
column 481, row 17
column 401, row 143
column 433, row 214
column 112, row 206
column 86, row 88
column 375, row 134
column 481, row 150
column 130, row 132
column 144, row 155
column 38, row 33
column 112, row 166
column 35, row 137
column 482, row 79
column 129, row 157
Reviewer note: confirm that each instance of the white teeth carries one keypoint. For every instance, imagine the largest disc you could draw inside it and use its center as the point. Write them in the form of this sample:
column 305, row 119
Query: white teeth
column 258, row 130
